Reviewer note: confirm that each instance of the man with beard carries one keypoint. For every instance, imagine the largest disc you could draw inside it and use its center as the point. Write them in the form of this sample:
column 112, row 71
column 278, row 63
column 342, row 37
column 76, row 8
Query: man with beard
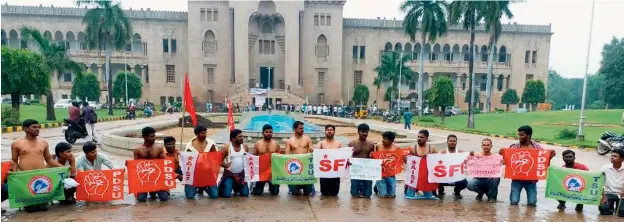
column 451, row 147
column 568, row 158
column 299, row 144
column 362, row 148
column 201, row 144
column 487, row 186
column 421, row 150
column 264, row 146
column 233, row 178
column 329, row 186
column 147, row 151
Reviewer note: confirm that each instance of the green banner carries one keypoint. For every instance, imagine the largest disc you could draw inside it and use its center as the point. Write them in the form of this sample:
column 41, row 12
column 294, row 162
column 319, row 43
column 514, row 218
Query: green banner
column 292, row 169
column 33, row 187
column 576, row 186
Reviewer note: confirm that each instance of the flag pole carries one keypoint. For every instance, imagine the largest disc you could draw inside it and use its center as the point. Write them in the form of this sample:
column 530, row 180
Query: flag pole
column 183, row 112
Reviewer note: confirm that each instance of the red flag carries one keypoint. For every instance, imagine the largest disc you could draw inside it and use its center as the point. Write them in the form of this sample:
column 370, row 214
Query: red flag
column 200, row 169
column 100, row 185
column 230, row 115
column 150, row 175
column 526, row 164
column 392, row 162
column 5, row 170
column 257, row 168
column 188, row 100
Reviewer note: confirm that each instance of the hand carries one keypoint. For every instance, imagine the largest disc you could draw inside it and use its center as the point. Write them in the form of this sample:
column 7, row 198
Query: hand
column 522, row 162
column 471, row 153
column 12, row 166
column 180, row 178
column 148, row 171
column 96, row 184
column 501, row 151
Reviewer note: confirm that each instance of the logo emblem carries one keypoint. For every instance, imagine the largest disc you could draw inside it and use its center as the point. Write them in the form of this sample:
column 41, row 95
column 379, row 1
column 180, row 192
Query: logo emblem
column 574, row 183
column 294, row 167
column 40, row 185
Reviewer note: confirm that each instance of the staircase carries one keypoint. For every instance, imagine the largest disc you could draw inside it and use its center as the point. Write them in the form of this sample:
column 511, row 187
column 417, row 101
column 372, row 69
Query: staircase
column 239, row 94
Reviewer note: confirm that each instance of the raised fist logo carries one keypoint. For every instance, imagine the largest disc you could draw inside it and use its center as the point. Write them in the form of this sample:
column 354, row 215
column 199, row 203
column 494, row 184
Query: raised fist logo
column 522, row 162
column 96, row 184
column 148, row 172
column 389, row 163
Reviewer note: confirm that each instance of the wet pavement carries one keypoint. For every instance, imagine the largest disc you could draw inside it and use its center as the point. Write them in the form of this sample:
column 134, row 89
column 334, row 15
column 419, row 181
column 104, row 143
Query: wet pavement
column 318, row 208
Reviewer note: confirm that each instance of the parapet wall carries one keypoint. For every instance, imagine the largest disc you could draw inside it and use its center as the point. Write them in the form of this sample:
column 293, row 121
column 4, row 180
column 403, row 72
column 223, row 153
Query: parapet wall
column 398, row 24
column 142, row 14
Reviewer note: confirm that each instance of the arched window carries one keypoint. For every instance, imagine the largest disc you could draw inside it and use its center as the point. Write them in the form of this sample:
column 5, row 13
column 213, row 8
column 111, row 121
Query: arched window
column 398, row 47
column 388, row 47
column 82, row 44
column 322, row 49
column 4, row 38
column 446, row 50
column 416, row 52
column 502, row 54
column 210, row 42
column 267, row 28
column 484, row 53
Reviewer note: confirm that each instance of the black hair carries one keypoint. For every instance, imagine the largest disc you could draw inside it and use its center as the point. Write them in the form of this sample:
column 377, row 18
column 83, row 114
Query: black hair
column 235, row 133
column 75, row 103
column 330, row 126
column 451, row 136
column 88, row 147
column 296, row 124
column 169, row 139
column 147, row 131
column 198, row 129
column 266, row 127
column 567, row 152
column 486, row 139
column 526, row 129
column 29, row 122
column 363, row 127
column 424, row 132
column 619, row 152
column 389, row 135
column 85, row 103
column 61, row 147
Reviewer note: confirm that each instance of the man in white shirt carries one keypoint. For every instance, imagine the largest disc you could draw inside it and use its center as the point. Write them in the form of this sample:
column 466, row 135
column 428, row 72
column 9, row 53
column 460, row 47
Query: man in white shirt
column 92, row 160
column 614, row 185
column 324, row 109
column 335, row 111
column 319, row 110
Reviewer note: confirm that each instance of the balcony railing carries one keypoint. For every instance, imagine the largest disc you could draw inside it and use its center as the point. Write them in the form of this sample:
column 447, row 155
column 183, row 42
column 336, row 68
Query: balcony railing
column 114, row 54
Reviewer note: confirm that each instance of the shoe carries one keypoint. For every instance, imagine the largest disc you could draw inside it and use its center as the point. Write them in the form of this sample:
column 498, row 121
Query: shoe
column 458, row 196
column 42, row 208
column 31, row 209
column 561, row 206
column 579, row 207
column 421, row 197
column 491, row 200
column 480, row 196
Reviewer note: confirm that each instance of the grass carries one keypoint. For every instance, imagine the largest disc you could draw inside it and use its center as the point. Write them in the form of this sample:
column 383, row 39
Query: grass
column 546, row 125
column 38, row 112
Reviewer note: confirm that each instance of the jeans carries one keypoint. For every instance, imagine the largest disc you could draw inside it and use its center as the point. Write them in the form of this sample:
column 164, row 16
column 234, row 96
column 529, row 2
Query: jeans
column 258, row 188
column 386, row 186
column 613, row 205
column 296, row 189
column 459, row 186
column 361, row 188
column 408, row 125
column 163, row 195
column 516, row 189
column 487, row 186
column 5, row 192
column 228, row 185
column 69, row 194
column 191, row 191
column 410, row 193
column 330, row 186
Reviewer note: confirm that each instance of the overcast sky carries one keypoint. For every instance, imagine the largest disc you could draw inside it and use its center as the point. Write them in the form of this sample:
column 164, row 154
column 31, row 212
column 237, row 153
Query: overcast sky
column 570, row 23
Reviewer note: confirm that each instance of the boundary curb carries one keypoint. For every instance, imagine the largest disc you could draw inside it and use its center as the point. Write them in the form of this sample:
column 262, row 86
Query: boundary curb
column 12, row 129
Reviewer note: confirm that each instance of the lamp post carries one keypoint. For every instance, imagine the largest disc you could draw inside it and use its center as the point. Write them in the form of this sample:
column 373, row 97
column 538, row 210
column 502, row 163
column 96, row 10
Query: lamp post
column 126, row 77
column 400, row 72
column 580, row 136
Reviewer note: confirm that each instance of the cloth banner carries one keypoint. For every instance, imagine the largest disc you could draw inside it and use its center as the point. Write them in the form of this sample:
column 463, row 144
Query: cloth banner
column 257, row 168
column 5, row 170
column 392, row 162
column 412, row 171
column 292, row 169
column 526, row 164
column 200, row 169
column 260, row 101
column 33, row 187
column 576, row 186
column 446, row 168
column 258, row 91
column 365, row 169
column 150, row 175
column 331, row 163
column 100, row 185
column 231, row 125
column 485, row 166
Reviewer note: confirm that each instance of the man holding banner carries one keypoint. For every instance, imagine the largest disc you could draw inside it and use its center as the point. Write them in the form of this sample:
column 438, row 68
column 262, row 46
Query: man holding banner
column 333, row 162
column 485, row 167
column 233, row 178
column 200, row 144
column 298, row 144
column 362, row 149
column 148, row 150
column 392, row 165
column 568, row 158
column 458, row 186
column 262, row 152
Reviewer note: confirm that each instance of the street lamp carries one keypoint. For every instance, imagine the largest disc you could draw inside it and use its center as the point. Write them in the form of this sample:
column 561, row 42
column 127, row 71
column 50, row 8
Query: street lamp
column 400, row 71
column 580, row 136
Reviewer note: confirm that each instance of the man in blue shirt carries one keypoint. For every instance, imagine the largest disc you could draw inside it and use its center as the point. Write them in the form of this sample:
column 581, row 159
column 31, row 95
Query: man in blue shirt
column 407, row 116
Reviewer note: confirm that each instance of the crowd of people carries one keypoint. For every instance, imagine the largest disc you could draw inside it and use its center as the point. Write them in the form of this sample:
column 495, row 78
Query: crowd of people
column 31, row 152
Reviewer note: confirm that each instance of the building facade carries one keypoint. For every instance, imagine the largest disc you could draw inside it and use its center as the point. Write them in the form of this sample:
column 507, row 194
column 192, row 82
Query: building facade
column 302, row 50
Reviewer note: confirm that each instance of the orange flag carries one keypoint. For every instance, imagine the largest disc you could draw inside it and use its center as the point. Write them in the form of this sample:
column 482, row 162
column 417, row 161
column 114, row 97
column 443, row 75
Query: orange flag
column 100, row 185
column 200, row 169
column 392, row 163
column 150, row 175
column 526, row 164
column 230, row 115
column 188, row 100
column 5, row 170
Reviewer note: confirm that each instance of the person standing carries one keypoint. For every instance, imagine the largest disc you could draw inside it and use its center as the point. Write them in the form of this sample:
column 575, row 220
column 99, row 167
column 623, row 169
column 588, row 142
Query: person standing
column 614, row 185
column 90, row 118
column 487, row 186
column 329, row 186
column 407, row 119
column 362, row 148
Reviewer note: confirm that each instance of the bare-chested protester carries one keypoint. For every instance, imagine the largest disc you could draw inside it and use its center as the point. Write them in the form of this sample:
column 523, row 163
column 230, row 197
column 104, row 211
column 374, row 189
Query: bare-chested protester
column 264, row 146
column 451, row 147
column 233, row 178
column 421, row 149
column 200, row 144
column 329, row 186
column 149, row 151
column 299, row 144
column 31, row 153
column 362, row 148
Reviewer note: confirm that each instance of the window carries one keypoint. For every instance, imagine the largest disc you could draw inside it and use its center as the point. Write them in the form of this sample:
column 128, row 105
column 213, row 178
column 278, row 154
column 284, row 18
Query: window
column 174, row 45
column 534, row 57
column 67, row 77
column 209, row 74
column 357, row 78
column 165, row 45
column 267, row 47
column 170, row 99
column 170, row 73
column 362, row 52
column 215, row 15
column 272, row 47
column 328, row 21
column 163, row 100
column 128, row 47
column 316, row 19
column 526, row 56
column 529, row 77
column 202, row 14
column 322, row 20
column 179, row 99
column 209, row 15
column 321, row 79
column 483, row 86
column 260, row 46
column 64, row 96
column 499, row 83
column 355, row 52
column 412, row 85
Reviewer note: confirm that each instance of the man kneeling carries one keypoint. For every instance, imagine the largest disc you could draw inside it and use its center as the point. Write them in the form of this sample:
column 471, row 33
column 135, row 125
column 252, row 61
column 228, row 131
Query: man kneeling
column 233, row 178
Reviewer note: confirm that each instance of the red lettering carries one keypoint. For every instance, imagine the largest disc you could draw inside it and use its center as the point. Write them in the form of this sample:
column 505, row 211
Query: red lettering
column 338, row 163
column 439, row 171
column 325, row 165
column 453, row 169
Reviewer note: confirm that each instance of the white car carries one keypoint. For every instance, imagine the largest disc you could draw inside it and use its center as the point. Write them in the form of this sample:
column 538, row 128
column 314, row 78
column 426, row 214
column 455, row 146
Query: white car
column 63, row 104
column 95, row 105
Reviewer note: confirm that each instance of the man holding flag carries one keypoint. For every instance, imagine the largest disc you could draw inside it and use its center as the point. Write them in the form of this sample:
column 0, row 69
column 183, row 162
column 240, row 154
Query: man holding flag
column 201, row 144
column 568, row 158
column 266, row 146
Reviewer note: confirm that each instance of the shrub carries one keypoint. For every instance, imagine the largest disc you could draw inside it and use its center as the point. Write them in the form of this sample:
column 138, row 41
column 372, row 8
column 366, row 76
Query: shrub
column 9, row 116
column 35, row 102
column 426, row 120
column 567, row 134
column 476, row 111
column 499, row 110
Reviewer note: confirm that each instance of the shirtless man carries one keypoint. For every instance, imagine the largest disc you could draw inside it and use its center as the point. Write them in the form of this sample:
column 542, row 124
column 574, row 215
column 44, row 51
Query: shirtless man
column 421, row 149
column 386, row 187
column 148, row 151
column 299, row 144
column 201, row 144
column 264, row 146
column 233, row 178
column 329, row 186
column 451, row 147
column 362, row 148
column 30, row 153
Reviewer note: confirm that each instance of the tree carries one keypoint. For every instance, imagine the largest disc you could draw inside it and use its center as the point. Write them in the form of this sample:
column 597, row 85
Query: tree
column 393, row 68
column 442, row 95
column 469, row 14
column 428, row 17
column 57, row 60
column 612, row 70
column 492, row 14
column 534, row 92
column 86, row 86
column 510, row 97
column 360, row 94
column 477, row 100
column 107, row 27
column 134, row 86
column 23, row 73
column 377, row 83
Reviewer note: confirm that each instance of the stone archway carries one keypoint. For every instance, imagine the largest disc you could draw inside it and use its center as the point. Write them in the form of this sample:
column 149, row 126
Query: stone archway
column 267, row 46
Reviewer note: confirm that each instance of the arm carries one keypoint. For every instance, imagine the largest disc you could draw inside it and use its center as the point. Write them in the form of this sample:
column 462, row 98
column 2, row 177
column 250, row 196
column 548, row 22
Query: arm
column 319, row 145
column 213, row 148
column 14, row 155
column 72, row 167
column 162, row 153
column 310, row 149
column 48, row 158
column 137, row 154
column 287, row 151
column 255, row 152
column 107, row 162
column 225, row 153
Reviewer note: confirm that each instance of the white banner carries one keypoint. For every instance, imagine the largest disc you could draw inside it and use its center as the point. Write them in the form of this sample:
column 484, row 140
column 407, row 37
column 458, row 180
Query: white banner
column 187, row 165
column 365, row 169
column 412, row 169
column 331, row 163
column 251, row 168
column 446, row 168
column 260, row 101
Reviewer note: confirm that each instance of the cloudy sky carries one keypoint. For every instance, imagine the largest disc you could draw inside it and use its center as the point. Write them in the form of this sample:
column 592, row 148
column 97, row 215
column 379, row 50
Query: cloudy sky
column 570, row 23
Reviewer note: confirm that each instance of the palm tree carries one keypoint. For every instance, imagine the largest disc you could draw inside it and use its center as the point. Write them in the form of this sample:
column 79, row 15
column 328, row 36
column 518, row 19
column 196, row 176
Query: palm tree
column 393, row 68
column 108, row 28
column 430, row 17
column 56, row 59
column 377, row 83
column 468, row 13
column 492, row 14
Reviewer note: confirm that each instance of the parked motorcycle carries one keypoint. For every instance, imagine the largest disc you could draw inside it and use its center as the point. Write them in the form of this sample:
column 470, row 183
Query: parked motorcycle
column 74, row 130
column 392, row 117
column 608, row 142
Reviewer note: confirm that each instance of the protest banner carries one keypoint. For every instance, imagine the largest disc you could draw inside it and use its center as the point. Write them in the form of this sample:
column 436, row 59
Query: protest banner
column 485, row 166
column 365, row 169
column 412, row 171
column 150, row 175
column 392, row 162
column 257, row 168
column 526, row 164
column 576, row 186
column 292, row 169
column 446, row 168
column 200, row 169
column 5, row 170
column 100, row 185
column 33, row 187
column 331, row 163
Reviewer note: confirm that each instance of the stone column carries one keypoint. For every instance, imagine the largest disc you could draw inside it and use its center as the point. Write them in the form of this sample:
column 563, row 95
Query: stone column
column 143, row 74
column 457, row 81
column 430, row 80
column 100, row 73
column 505, row 82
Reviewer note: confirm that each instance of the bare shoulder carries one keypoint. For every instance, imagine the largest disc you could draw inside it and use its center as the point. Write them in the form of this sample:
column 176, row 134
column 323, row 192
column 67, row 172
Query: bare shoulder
column 307, row 138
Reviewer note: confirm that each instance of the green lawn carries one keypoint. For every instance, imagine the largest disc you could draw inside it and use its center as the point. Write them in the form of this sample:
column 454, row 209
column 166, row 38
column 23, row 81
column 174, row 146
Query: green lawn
column 546, row 125
column 38, row 112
